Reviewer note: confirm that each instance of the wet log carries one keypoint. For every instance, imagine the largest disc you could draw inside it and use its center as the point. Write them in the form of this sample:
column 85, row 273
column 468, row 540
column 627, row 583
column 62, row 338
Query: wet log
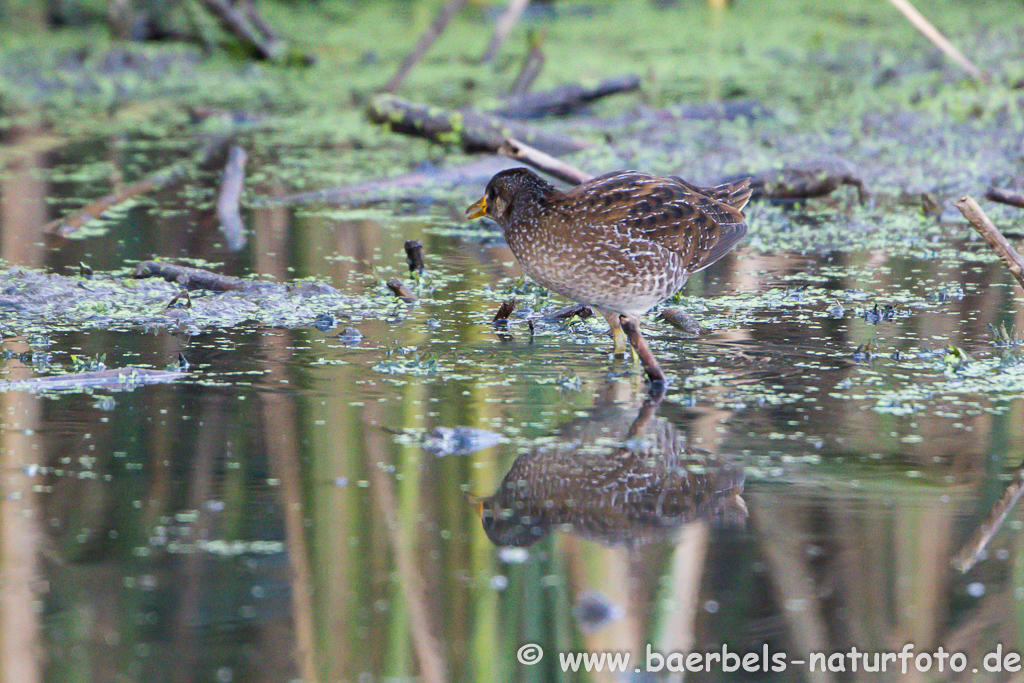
column 1005, row 197
column 984, row 225
column 470, row 130
column 681, row 320
column 189, row 278
column 514, row 149
column 565, row 99
column 427, row 38
column 162, row 178
column 581, row 310
column 228, row 210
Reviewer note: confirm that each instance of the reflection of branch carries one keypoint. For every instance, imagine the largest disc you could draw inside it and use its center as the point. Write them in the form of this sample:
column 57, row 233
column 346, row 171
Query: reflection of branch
column 984, row 225
column 228, row 201
column 428, row 650
column 968, row 555
column 782, row 544
column 154, row 181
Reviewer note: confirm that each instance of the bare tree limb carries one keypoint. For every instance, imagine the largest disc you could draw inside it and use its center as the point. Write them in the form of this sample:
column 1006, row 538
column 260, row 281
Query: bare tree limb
column 519, row 151
column 984, row 225
column 933, row 34
column 503, row 27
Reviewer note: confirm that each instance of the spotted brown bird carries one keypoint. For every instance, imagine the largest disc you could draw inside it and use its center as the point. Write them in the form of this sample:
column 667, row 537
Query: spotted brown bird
column 620, row 243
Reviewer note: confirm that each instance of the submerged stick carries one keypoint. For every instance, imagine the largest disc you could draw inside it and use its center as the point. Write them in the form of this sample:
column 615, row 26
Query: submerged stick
column 473, row 131
column 228, row 210
column 933, row 34
column 503, row 27
column 158, row 179
column 984, row 225
column 120, row 379
column 427, row 38
column 643, row 352
column 189, row 278
column 519, row 151
column 972, row 549
column 1005, row 197
column 565, row 99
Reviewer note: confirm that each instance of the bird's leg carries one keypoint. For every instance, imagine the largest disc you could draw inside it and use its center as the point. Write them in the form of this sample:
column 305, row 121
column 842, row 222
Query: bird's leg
column 631, row 326
column 618, row 336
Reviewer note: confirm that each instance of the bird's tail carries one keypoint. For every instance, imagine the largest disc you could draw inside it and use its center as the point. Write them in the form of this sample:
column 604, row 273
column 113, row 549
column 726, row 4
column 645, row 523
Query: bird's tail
column 735, row 194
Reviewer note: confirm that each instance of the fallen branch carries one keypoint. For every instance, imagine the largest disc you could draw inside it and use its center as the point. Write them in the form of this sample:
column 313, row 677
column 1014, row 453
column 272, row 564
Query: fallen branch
column 815, row 180
column 503, row 27
column 1005, row 197
column 228, row 201
column 154, row 181
column 189, row 278
column 565, row 99
column 519, row 151
column 257, row 37
column 427, row 38
column 984, row 225
column 473, row 131
column 531, row 66
column 933, row 34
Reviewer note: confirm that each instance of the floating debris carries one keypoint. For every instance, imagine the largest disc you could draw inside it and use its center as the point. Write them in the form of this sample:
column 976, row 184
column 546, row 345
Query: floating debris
column 121, row 379
column 442, row 441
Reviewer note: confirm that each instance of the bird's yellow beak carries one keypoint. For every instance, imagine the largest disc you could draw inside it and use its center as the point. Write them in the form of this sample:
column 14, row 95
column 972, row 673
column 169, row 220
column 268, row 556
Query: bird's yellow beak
column 478, row 209
column 476, row 502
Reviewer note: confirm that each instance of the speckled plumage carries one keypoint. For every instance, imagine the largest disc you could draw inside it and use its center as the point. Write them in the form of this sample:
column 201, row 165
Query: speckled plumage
column 620, row 243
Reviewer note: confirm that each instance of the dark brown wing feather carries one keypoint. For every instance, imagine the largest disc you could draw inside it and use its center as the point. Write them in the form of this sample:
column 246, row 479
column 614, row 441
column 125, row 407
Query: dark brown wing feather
column 700, row 224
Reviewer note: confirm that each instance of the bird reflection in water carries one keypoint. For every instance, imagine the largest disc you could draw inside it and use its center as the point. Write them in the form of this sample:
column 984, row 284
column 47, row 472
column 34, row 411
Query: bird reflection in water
column 615, row 477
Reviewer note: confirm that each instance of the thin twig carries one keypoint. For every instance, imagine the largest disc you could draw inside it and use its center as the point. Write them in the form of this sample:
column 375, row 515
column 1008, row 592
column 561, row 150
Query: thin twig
column 519, row 151
column 931, row 33
column 1005, row 197
column 427, row 38
column 984, row 225
column 531, row 66
column 503, row 27
column 228, row 201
